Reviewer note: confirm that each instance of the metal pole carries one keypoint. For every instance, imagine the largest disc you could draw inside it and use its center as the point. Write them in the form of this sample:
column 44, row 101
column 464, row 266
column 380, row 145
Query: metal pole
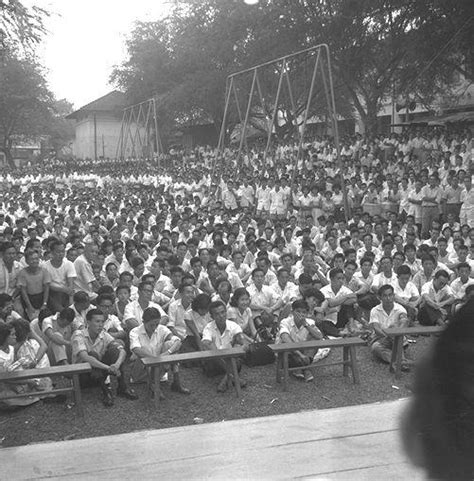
column 119, row 149
column 306, row 113
column 277, row 60
column 243, row 129
column 158, row 152
column 95, row 137
column 336, row 132
column 275, row 110
column 228, row 85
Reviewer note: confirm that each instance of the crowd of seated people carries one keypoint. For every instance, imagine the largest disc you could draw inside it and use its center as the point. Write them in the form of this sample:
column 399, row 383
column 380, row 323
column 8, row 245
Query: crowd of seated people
column 113, row 261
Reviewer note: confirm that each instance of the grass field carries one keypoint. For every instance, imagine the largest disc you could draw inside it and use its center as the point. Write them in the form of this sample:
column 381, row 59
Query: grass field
column 263, row 397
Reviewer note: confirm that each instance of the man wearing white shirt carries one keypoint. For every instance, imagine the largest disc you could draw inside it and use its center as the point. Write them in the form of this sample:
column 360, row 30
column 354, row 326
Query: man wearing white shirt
column 298, row 328
column 459, row 285
column 406, row 293
column 63, row 274
column 436, row 300
column 386, row 315
column 154, row 339
column 221, row 334
column 387, row 276
column 133, row 315
column 340, row 299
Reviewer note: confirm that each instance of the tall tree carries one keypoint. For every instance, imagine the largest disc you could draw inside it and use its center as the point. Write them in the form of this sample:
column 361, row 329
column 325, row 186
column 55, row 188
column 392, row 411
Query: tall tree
column 380, row 49
column 20, row 26
column 25, row 103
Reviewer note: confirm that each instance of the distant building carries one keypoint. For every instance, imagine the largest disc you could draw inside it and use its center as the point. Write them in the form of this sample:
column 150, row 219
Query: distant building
column 98, row 126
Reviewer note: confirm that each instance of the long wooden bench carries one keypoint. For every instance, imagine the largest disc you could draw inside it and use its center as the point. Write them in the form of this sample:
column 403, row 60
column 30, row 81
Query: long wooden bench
column 70, row 371
column 349, row 356
column 398, row 333
column 155, row 365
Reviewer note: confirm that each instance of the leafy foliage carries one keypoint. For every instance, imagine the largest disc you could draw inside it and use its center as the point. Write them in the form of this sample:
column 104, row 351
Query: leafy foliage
column 25, row 102
column 20, row 26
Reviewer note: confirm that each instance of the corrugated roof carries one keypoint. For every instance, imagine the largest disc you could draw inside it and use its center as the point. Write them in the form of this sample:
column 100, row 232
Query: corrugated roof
column 110, row 102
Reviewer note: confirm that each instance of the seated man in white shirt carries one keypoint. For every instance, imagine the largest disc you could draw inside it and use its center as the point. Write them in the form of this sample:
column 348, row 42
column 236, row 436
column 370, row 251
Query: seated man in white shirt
column 134, row 310
column 299, row 328
column 436, row 300
column 112, row 324
column 340, row 301
column 387, row 315
column 105, row 355
column 221, row 334
column 460, row 284
column 154, row 339
column 264, row 303
column 406, row 293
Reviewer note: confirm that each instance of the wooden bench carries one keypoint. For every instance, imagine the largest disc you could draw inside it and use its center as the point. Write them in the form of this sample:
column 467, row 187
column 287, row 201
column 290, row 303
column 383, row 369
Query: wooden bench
column 397, row 348
column 71, row 371
column 155, row 364
column 349, row 356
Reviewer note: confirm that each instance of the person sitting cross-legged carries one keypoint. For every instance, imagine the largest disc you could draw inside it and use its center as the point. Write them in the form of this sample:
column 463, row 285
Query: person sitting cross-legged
column 298, row 327
column 106, row 356
column 152, row 339
column 221, row 334
column 386, row 315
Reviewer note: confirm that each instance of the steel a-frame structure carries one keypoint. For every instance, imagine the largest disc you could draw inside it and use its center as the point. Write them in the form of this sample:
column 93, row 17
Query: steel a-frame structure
column 319, row 57
column 139, row 135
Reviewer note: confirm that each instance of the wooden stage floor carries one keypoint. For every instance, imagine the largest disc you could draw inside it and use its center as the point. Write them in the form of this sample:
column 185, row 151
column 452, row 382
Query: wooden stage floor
column 356, row 443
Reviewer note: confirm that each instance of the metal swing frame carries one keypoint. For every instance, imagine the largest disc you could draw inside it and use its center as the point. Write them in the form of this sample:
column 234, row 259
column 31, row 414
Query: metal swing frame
column 321, row 63
column 139, row 121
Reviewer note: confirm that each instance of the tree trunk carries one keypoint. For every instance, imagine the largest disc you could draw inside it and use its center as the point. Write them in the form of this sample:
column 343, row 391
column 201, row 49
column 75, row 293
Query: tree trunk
column 8, row 155
column 371, row 118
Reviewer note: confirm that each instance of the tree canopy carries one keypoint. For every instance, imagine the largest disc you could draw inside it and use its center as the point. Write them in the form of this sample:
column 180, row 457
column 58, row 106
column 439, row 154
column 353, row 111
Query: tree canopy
column 21, row 27
column 380, row 48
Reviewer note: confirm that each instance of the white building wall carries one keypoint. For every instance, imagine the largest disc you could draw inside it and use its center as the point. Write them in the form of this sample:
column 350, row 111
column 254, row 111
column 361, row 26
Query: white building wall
column 107, row 137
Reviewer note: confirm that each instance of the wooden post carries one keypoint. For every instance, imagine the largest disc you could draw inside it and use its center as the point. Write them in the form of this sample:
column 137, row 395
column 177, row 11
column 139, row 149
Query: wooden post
column 77, row 394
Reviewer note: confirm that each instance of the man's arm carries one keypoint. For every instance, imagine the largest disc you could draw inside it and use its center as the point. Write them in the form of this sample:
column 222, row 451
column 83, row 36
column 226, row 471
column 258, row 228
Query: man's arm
column 191, row 325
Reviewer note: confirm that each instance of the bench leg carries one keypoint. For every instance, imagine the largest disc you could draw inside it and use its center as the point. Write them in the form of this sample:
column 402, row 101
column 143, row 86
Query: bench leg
column 285, row 371
column 77, row 394
column 345, row 360
column 235, row 375
column 278, row 368
column 156, row 381
column 354, row 365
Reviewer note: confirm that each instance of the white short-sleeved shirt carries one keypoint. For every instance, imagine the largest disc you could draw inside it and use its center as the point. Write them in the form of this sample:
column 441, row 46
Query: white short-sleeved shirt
column 331, row 314
column 112, row 322
column 60, row 275
column 288, row 326
column 392, row 319
column 436, row 296
column 81, row 341
column 199, row 321
column 133, row 310
column 408, row 292
column 221, row 341
column 459, row 289
column 241, row 318
column 265, row 297
column 154, row 345
column 176, row 313
column 85, row 275
column 381, row 279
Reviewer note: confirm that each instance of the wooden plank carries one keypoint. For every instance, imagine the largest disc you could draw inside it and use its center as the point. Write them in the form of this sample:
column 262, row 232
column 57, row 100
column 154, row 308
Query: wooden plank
column 46, row 372
column 294, row 346
column 194, row 356
column 308, row 444
column 413, row 331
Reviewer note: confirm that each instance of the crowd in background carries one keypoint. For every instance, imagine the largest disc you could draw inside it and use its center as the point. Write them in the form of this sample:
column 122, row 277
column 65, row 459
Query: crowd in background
column 111, row 261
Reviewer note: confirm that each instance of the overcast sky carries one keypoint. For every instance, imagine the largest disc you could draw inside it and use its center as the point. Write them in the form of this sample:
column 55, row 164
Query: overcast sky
column 86, row 39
